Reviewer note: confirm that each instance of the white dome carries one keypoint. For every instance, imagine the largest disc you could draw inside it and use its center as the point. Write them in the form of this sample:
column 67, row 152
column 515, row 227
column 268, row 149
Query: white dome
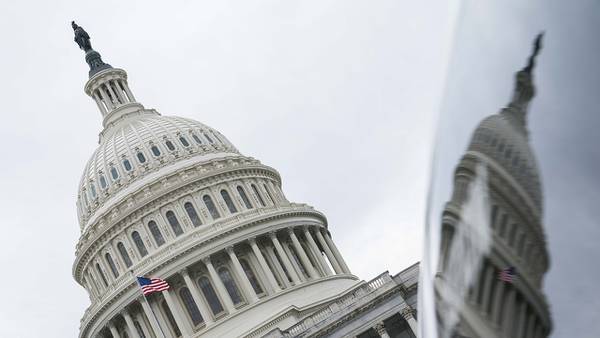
column 139, row 146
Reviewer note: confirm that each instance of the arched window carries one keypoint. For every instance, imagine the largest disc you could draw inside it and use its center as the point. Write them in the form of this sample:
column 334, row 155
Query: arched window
column 101, row 273
column 127, row 165
column 155, row 151
column 210, row 295
column 244, row 197
column 103, row 183
column 184, row 142
column 251, row 276
column 170, row 318
column 124, row 254
column 228, row 201
column 192, row 214
column 260, row 199
column 111, row 264
column 137, row 240
column 141, row 157
column 170, row 145
column 196, row 138
column 269, row 194
column 174, row 223
column 139, row 329
column 190, row 306
column 230, row 285
column 158, row 237
column 114, row 172
column 211, row 207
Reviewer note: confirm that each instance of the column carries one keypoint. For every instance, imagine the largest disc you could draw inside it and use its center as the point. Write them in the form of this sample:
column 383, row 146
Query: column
column 285, row 259
column 115, row 86
column 337, row 254
column 180, row 319
column 522, row 319
column 317, row 252
column 530, row 325
column 246, row 286
column 129, row 93
column 216, row 280
column 330, row 256
column 130, row 326
column 295, row 263
column 99, row 103
column 380, row 329
column 202, row 307
column 277, row 266
column 142, row 323
column 487, row 285
column 303, row 257
column 152, row 318
column 165, row 325
column 509, row 311
column 105, row 97
column 497, row 305
column 114, row 96
column 263, row 264
column 113, row 330
column 408, row 314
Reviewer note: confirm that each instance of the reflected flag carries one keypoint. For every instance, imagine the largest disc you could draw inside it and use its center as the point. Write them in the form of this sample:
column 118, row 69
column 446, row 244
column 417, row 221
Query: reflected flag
column 508, row 275
column 151, row 285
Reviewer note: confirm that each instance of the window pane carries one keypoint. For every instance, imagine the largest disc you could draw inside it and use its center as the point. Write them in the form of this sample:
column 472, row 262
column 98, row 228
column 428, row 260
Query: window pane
column 93, row 190
column 124, row 254
column 127, row 164
column 228, row 201
column 174, row 222
column 244, row 197
column 184, row 141
column 196, row 138
column 190, row 306
column 101, row 273
column 170, row 318
column 210, row 295
column 137, row 239
column 112, row 265
column 155, row 151
column 170, row 145
column 114, row 173
column 211, row 207
column 141, row 157
column 251, row 276
column 158, row 237
column 269, row 194
column 208, row 138
column 103, row 184
column 230, row 285
column 193, row 215
column 262, row 202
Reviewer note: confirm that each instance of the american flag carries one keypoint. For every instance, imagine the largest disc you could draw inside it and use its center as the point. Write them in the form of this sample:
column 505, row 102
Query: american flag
column 508, row 275
column 151, row 285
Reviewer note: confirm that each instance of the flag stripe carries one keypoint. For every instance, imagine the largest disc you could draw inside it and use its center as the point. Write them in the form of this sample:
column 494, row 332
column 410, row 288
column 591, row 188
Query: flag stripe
column 150, row 286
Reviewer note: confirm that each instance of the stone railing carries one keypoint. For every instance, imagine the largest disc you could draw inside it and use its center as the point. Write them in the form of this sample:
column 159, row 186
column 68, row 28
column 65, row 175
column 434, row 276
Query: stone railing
column 327, row 312
column 143, row 267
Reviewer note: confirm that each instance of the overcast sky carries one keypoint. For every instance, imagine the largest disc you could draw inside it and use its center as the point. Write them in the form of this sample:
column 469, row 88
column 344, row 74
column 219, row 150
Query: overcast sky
column 339, row 96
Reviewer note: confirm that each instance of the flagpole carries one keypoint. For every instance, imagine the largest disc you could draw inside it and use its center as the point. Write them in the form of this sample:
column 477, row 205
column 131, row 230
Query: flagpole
column 154, row 315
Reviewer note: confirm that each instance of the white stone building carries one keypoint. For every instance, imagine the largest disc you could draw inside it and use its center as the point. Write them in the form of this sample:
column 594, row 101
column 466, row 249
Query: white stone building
column 171, row 198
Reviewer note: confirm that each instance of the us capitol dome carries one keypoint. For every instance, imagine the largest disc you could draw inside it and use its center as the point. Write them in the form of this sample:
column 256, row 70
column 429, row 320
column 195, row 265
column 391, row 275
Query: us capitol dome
column 171, row 198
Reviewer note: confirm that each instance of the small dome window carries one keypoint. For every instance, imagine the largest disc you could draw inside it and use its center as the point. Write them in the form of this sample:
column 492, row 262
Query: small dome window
column 127, row 164
column 196, row 138
column 184, row 142
column 141, row 157
column 170, row 145
column 114, row 172
column 103, row 183
column 208, row 138
column 93, row 191
column 155, row 151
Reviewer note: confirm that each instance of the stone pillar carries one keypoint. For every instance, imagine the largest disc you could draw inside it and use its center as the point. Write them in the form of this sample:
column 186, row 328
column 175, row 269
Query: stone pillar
column 99, row 103
column 330, row 255
column 303, row 257
column 113, row 330
column 277, row 266
column 522, row 320
column 337, row 254
column 180, row 319
column 408, row 314
column 129, row 93
column 380, row 329
column 497, row 304
column 263, row 264
column 221, row 290
column 114, row 96
column 158, row 332
column 115, row 86
column 294, row 262
column 509, row 312
column 130, row 326
column 285, row 259
column 202, row 307
column 487, row 285
column 140, row 318
column 317, row 252
column 246, row 286
column 530, row 325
